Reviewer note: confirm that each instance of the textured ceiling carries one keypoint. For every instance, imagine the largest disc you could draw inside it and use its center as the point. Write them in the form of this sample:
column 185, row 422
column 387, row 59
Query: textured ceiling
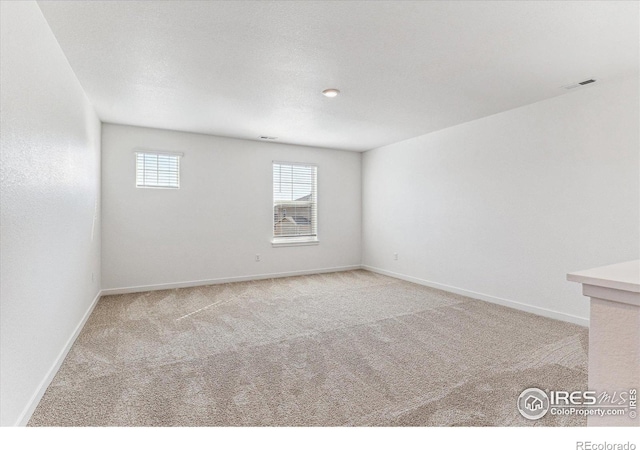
column 245, row 69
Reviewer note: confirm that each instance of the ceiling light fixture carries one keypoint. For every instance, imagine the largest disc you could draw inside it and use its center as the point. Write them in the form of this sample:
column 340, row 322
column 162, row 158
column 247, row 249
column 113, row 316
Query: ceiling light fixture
column 330, row 93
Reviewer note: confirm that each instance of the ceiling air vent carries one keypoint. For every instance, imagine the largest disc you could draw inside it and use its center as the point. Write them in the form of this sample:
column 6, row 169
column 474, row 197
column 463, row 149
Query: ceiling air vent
column 581, row 83
column 268, row 138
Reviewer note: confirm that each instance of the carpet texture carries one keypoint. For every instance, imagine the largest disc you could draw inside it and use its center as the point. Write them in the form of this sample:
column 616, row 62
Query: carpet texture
column 342, row 349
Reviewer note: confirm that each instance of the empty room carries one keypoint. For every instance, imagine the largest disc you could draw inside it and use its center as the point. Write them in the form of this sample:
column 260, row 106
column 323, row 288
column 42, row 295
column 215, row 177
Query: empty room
column 320, row 214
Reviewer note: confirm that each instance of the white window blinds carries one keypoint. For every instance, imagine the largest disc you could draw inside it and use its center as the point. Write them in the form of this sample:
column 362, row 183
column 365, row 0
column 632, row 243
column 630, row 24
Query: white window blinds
column 295, row 205
column 158, row 170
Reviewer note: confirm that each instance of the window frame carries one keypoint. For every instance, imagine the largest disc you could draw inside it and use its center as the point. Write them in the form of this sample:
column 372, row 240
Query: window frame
column 292, row 241
column 141, row 151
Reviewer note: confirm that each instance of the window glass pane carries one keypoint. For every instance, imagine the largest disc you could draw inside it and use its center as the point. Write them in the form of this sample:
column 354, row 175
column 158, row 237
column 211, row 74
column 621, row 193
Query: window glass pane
column 157, row 170
column 294, row 200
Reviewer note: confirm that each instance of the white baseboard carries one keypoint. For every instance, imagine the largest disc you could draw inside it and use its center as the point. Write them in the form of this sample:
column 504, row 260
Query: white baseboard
column 583, row 321
column 263, row 276
column 23, row 419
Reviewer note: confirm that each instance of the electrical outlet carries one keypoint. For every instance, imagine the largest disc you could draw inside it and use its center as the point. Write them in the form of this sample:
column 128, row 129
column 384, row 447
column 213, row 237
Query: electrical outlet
column 257, row 258
column 395, row 256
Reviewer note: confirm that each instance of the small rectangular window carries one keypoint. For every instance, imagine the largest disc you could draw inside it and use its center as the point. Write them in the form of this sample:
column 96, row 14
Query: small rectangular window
column 295, row 204
column 158, row 170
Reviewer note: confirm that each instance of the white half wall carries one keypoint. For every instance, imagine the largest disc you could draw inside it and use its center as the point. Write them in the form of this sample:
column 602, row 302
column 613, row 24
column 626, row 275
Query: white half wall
column 502, row 208
column 213, row 226
column 49, row 208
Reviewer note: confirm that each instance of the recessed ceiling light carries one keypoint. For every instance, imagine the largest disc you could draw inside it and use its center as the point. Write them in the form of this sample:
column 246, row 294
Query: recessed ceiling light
column 330, row 92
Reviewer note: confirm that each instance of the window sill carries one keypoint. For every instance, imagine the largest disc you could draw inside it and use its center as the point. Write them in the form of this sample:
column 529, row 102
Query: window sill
column 294, row 242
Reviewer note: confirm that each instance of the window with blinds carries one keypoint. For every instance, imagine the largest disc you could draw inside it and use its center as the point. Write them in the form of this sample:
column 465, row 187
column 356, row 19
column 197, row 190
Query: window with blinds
column 158, row 170
column 295, row 203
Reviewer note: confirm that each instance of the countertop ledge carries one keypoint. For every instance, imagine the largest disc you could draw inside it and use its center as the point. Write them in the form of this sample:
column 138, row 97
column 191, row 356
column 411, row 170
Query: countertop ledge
column 622, row 276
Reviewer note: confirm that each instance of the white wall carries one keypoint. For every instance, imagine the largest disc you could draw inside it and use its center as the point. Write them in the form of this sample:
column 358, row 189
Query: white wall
column 221, row 217
column 50, row 186
column 503, row 207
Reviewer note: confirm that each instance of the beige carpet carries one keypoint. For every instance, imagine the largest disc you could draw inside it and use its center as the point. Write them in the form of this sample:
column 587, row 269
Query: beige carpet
column 350, row 348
